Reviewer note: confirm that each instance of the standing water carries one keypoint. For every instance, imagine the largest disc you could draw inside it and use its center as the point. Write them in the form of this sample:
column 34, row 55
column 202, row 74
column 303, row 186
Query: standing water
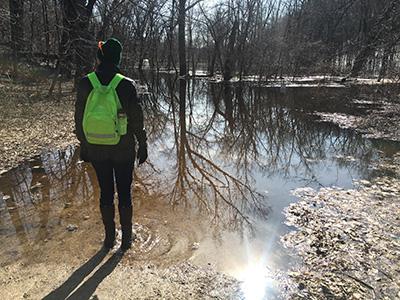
column 221, row 169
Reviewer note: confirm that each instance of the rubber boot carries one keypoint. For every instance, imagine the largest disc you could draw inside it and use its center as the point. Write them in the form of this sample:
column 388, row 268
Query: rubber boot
column 107, row 214
column 125, row 215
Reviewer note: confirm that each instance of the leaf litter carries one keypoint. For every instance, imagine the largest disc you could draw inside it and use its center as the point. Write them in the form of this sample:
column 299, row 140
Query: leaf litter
column 28, row 126
column 348, row 239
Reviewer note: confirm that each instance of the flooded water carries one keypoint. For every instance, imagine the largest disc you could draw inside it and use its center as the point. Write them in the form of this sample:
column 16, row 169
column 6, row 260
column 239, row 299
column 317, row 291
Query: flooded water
column 221, row 167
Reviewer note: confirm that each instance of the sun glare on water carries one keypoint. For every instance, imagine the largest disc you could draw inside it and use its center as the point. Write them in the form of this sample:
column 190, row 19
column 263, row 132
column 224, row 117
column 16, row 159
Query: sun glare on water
column 255, row 280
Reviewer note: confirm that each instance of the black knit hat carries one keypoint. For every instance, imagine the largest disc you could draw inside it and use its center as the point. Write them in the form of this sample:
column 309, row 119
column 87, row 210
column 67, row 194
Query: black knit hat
column 110, row 51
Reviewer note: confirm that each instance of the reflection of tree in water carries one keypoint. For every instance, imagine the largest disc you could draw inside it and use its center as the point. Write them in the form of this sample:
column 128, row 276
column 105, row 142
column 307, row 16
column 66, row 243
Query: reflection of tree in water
column 68, row 179
column 272, row 130
column 217, row 127
column 199, row 177
column 39, row 191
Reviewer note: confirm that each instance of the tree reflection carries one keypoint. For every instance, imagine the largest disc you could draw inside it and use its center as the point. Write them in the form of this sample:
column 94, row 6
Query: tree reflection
column 277, row 133
column 40, row 192
column 223, row 133
column 200, row 178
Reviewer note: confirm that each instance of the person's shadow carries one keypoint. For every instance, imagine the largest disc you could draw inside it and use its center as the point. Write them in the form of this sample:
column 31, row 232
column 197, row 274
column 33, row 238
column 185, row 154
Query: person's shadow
column 90, row 285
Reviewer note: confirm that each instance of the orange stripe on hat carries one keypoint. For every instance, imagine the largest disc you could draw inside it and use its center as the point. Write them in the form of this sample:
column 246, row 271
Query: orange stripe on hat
column 100, row 45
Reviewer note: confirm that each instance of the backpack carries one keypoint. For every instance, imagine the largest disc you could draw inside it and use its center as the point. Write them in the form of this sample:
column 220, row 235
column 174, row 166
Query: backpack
column 103, row 122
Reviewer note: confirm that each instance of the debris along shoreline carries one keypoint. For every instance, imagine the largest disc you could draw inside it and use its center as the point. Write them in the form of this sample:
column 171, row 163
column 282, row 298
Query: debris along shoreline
column 380, row 118
column 348, row 240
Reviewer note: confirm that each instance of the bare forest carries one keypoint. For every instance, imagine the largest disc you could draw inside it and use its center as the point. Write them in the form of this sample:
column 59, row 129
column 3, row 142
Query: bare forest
column 255, row 151
column 264, row 38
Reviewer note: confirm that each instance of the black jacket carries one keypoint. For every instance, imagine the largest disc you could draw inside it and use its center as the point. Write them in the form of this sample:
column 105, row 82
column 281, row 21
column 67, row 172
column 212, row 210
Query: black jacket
column 125, row 149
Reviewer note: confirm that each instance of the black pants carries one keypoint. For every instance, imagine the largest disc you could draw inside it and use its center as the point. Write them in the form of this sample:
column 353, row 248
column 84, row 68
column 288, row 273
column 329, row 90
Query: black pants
column 106, row 171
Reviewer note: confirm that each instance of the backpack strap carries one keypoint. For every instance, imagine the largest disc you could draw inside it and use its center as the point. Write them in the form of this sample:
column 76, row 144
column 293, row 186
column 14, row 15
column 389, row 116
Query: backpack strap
column 94, row 80
column 113, row 84
column 116, row 80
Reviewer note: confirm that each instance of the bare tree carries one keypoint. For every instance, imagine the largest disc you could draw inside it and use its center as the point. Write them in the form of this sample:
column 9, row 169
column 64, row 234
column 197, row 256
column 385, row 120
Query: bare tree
column 76, row 41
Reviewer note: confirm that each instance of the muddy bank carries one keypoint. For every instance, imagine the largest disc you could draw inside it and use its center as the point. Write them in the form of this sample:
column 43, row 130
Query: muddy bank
column 51, row 233
column 56, row 254
column 348, row 240
column 109, row 277
column 31, row 122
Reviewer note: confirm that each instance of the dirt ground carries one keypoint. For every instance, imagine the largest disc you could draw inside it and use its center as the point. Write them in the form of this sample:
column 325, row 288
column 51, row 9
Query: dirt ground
column 31, row 122
column 109, row 277
column 58, row 255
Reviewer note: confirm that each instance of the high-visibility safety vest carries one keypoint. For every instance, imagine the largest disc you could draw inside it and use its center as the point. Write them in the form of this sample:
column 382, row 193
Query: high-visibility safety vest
column 104, row 122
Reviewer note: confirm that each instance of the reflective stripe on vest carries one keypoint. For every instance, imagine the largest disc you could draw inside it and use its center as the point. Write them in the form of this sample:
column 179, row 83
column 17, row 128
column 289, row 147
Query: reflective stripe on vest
column 101, row 136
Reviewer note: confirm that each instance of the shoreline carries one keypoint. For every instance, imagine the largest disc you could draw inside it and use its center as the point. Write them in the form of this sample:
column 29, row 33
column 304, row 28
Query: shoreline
column 347, row 240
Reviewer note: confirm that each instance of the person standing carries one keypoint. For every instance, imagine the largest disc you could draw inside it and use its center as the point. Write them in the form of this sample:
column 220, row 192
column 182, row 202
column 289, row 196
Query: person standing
column 108, row 122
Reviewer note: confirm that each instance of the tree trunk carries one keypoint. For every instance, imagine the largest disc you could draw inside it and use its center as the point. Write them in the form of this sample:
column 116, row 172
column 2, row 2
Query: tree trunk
column 17, row 25
column 84, row 44
column 211, row 67
column 170, row 38
column 32, row 28
column 229, row 65
column 182, row 38
column 46, row 30
column 76, row 41
column 17, row 30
